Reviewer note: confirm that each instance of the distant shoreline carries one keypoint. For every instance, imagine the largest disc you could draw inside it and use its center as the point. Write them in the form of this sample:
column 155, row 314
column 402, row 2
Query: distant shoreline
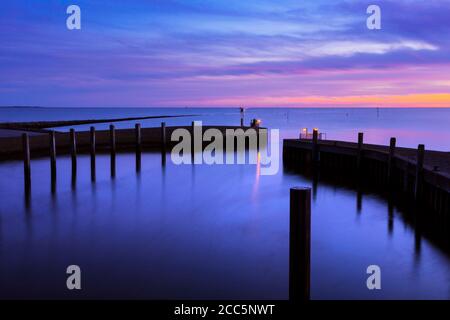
column 33, row 125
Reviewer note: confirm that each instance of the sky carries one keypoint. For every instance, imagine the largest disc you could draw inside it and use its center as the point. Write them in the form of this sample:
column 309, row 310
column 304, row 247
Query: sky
column 225, row 53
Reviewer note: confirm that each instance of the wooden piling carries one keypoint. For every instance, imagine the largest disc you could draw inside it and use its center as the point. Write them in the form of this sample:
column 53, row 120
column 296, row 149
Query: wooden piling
column 163, row 142
column 390, row 164
column 359, row 152
column 300, row 244
column 112, row 147
column 315, row 147
column 26, row 161
column 92, row 151
column 52, row 144
column 137, row 129
column 73, row 152
column 419, row 171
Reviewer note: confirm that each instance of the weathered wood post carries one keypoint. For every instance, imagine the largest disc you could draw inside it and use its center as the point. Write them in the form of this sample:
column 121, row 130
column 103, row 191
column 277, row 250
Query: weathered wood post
column 26, row 162
column 52, row 143
column 112, row 147
column 300, row 244
column 419, row 171
column 315, row 147
column 360, row 150
column 73, row 152
column 391, row 157
column 137, row 129
column 163, row 143
column 92, row 151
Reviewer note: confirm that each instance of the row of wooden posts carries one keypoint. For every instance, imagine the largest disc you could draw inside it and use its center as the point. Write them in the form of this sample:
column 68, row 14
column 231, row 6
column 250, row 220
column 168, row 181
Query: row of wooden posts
column 300, row 203
column 300, row 216
column 92, row 146
column 390, row 164
column 92, row 151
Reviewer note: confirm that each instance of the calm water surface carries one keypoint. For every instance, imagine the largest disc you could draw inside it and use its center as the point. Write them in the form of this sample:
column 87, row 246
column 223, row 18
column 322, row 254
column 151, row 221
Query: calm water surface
column 213, row 231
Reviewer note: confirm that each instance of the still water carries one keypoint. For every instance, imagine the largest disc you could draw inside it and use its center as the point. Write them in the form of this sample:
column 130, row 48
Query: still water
column 214, row 231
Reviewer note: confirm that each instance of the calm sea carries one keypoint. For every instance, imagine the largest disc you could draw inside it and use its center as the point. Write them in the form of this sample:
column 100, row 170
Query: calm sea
column 410, row 126
column 212, row 231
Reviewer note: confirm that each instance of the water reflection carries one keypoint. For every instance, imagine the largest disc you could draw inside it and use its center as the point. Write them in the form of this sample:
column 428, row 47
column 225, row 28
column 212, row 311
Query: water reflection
column 390, row 216
column 207, row 232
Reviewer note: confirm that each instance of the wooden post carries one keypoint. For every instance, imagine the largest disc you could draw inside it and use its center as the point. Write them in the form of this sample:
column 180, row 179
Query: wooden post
column 26, row 161
column 315, row 146
column 360, row 147
column 52, row 143
column 391, row 160
column 163, row 143
column 300, row 244
column 73, row 152
column 92, row 147
column 112, row 147
column 137, row 129
column 419, row 171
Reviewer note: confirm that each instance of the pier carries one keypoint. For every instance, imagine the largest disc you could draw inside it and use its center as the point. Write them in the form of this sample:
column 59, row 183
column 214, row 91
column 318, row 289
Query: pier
column 420, row 176
column 137, row 140
column 112, row 140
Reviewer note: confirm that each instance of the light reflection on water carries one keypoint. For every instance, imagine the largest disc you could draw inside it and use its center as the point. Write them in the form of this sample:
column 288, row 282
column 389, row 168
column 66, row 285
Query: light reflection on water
column 199, row 232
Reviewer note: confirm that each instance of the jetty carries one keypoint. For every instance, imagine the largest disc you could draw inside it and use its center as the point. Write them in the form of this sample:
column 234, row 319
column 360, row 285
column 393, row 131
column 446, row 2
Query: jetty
column 418, row 175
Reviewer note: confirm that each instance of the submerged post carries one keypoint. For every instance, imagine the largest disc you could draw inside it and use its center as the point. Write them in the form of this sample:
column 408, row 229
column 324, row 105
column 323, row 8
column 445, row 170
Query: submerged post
column 52, row 143
column 359, row 152
column 112, row 147
column 300, row 244
column 163, row 142
column 73, row 152
column 391, row 160
column 92, row 151
column 315, row 147
column 137, row 129
column 419, row 171
column 26, row 161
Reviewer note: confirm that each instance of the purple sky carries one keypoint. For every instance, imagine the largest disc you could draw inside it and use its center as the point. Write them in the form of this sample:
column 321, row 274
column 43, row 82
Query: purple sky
column 225, row 53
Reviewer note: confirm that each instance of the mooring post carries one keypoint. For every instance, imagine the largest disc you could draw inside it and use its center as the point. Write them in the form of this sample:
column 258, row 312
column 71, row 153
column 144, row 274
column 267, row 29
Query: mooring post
column 137, row 129
column 390, row 163
column 52, row 143
column 315, row 146
column 300, row 244
column 26, row 161
column 419, row 171
column 112, row 147
column 163, row 142
column 359, row 152
column 73, row 152
column 92, row 147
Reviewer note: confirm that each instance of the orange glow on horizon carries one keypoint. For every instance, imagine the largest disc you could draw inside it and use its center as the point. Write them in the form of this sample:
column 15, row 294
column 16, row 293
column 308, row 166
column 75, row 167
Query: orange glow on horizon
column 430, row 100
